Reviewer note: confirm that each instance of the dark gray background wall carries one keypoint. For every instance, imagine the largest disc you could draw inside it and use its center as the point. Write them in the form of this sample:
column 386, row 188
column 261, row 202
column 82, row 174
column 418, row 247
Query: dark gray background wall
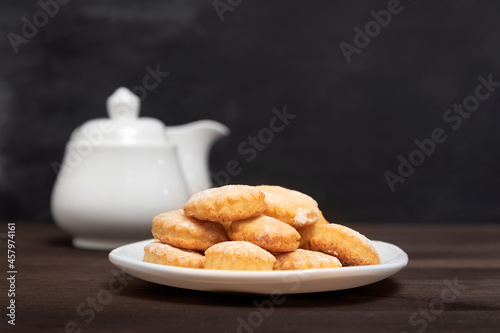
column 352, row 121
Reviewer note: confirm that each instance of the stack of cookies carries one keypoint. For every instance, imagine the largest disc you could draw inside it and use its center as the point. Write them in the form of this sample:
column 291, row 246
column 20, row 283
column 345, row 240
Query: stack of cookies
column 241, row 227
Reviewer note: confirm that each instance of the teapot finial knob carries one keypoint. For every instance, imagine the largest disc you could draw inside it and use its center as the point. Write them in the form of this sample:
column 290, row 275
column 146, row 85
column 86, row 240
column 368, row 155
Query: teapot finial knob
column 123, row 104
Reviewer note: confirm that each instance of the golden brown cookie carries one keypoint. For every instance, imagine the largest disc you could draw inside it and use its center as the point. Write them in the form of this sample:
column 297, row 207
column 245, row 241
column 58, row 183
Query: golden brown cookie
column 267, row 232
column 304, row 259
column 226, row 204
column 349, row 246
column 238, row 256
column 176, row 229
column 226, row 225
column 307, row 232
column 292, row 207
column 164, row 254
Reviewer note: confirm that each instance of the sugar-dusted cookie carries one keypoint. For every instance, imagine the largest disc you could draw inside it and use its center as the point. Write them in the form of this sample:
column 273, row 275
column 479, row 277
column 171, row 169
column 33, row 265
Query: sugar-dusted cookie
column 226, row 204
column 307, row 232
column 176, row 229
column 164, row 254
column 292, row 207
column 239, row 256
column 267, row 232
column 226, row 225
column 304, row 259
column 349, row 246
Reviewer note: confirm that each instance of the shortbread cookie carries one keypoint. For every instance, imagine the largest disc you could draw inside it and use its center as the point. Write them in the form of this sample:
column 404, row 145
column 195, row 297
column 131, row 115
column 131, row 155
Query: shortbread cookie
column 226, row 204
column 238, row 256
column 226, row 225
column 176, row 229
column 304, row 259
column 349, row 246
column 292, row 207
column 164, row 254
column 307, row 232
column 267, row 232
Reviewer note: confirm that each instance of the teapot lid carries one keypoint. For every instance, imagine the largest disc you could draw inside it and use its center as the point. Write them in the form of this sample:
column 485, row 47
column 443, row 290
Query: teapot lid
column 123, row 126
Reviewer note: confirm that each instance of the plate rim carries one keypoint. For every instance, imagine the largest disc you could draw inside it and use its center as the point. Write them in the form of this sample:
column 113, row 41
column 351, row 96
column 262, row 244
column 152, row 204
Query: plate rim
column 119, row 259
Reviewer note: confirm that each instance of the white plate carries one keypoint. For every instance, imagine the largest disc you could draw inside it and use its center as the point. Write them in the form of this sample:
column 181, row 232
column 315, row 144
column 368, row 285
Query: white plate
column 129, row 259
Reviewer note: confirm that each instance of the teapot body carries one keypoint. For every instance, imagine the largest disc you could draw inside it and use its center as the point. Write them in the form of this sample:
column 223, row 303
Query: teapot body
column 118, row 173
column 110, row 196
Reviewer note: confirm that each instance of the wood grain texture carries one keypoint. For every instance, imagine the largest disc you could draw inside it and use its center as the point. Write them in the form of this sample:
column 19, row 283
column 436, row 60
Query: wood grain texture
column 56, row 283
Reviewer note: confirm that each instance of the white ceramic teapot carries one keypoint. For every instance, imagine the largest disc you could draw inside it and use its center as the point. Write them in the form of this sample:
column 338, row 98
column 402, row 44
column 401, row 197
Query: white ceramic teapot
column 119, row 172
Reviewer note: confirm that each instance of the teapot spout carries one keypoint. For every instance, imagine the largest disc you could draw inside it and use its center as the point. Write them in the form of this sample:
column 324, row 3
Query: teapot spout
column 193, row 142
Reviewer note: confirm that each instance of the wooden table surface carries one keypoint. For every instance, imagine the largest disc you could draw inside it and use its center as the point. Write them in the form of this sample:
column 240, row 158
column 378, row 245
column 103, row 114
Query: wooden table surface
column 451, row 284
